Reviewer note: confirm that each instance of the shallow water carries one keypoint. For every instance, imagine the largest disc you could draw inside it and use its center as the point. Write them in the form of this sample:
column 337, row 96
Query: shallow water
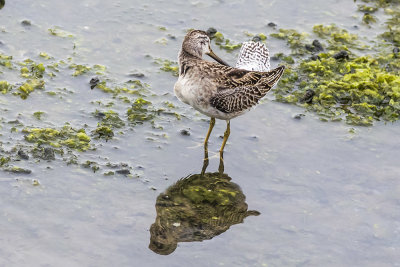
column 326, row 197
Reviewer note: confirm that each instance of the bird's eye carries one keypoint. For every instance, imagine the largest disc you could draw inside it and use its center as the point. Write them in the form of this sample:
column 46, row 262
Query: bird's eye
column 202, row 42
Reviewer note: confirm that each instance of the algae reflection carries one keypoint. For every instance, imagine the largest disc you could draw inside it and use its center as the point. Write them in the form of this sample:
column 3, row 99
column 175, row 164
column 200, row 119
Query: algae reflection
column 2, row 3
column 196, row 208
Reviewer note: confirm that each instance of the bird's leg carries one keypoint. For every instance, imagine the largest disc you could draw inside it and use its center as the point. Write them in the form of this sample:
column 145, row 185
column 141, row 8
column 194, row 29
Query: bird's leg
column 212, row 123
column 221, row 165
column 226, row 136
column 205, row 164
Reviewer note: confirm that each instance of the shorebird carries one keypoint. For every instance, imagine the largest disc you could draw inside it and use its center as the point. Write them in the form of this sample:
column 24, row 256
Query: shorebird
column 218, row 90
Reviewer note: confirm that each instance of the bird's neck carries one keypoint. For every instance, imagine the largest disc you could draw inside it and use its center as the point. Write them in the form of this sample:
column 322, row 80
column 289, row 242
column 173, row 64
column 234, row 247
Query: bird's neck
column 186, row 61
column 186, row 56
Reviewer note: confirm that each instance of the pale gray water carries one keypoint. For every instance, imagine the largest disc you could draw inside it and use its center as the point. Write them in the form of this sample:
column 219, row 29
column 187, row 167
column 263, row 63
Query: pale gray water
column 327, row 197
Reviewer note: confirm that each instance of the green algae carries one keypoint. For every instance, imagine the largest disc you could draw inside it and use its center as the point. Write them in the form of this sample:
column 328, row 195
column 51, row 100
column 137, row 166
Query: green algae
column 28, row 87
column 45, row 153
column 256, row 37
column 381, row 3
column 121, row 92
column 5, row 87
column 92, row 165
column 161, row 41
column 6, row 61
column 360, row 90
column 140, row 111
column 369, row 9
column 44, row 55
column 338, row 39
column 4, row 161
column 392, row 34
column 18, row 170
column 79, row 69
column 368, row 18
column 284, row 58
column 30, row 69
column 168, row 66
column 109, row 118
column 225, row 43
column 67, row 136
column 38, row 114
column 295, row 82
column 51, row 93
column 262, row 36
column 103, row 132
column 56, row 31
column 33, row 73
column 47, row 142
column 169, row 104
column 295, row 40
column 391, row 8
column 99, row 69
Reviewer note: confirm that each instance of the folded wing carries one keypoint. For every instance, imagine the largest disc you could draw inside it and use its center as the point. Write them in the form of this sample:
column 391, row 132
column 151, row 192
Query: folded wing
column 247, row 91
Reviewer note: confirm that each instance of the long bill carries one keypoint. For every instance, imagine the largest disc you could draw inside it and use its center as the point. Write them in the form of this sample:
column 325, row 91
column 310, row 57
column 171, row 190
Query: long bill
column 214, row 56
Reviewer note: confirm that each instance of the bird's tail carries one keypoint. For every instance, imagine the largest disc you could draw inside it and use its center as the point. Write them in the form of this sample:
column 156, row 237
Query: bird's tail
column 253, row 56
column 271, row 78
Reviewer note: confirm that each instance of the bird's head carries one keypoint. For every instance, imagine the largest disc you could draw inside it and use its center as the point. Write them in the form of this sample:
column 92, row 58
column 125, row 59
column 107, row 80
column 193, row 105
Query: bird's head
column 197, row 43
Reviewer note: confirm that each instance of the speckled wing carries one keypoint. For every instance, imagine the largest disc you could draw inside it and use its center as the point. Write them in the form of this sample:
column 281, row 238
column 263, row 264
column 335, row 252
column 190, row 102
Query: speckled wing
column 253, row 56
column 245, row 92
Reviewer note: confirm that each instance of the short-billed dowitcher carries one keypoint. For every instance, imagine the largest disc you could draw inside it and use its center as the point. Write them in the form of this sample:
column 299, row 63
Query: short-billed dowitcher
column 218, row 90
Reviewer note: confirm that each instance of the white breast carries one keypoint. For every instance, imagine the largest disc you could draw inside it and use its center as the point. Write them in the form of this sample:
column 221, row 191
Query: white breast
column 185, row 90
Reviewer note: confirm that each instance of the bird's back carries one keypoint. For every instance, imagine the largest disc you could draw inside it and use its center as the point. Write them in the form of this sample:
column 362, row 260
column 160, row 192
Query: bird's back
column 250, row 80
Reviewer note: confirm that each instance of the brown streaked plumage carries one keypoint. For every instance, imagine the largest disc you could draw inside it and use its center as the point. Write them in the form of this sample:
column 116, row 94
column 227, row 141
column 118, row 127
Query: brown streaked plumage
column 218, row 90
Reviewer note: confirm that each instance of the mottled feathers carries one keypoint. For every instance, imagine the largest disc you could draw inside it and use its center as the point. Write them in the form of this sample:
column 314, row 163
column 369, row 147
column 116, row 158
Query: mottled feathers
column 253, row 56
column 249, row 82
column 220, row 91
column 240, row 94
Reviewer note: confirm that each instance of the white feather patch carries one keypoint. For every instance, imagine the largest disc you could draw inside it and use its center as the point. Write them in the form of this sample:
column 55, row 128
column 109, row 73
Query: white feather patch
column 253, row 56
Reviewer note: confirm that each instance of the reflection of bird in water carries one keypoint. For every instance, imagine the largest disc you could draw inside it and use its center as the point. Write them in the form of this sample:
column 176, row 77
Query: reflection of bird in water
column 220, row 91
column 196, row 208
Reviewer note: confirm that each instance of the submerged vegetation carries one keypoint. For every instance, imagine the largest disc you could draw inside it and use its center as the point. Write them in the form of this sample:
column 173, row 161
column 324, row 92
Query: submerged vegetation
column 46, row 143
column 332, row 71
column 121, row 106
column 342, row 75
column 360, row 90
column 109, row 120
column 225, row 43
column 140, row 111
column 350, row 81
column 5, row 87
column 293, row 39
column 168, row 66
column 66, row 136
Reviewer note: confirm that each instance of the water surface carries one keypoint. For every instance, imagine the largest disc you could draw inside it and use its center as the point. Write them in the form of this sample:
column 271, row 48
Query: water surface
column 326, row 196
